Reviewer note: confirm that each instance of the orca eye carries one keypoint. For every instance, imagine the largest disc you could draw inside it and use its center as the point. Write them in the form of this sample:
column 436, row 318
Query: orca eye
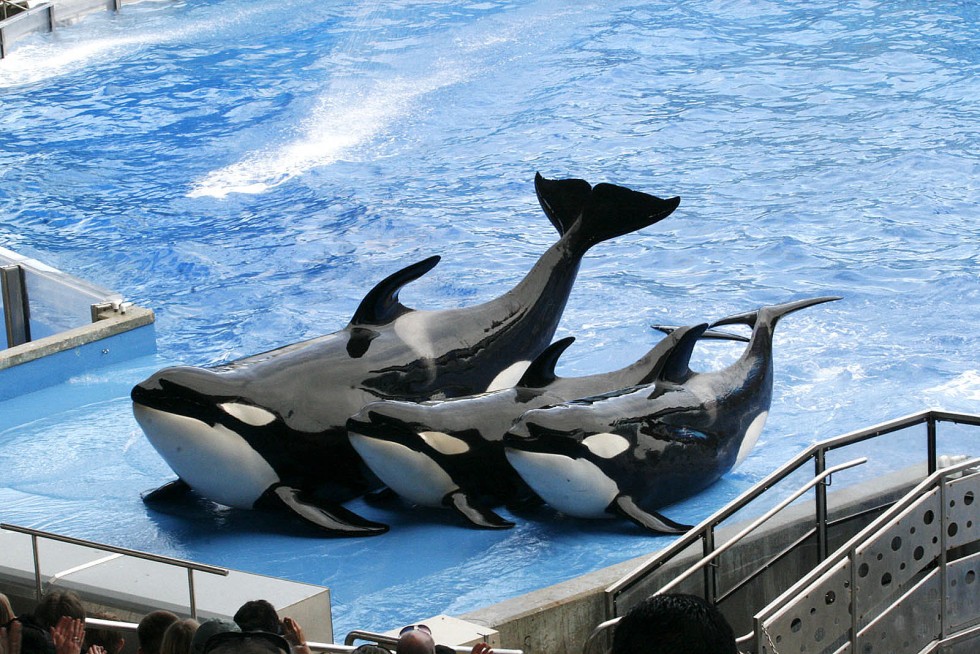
column 444, row 443
column 606, row 445
column 248, row 413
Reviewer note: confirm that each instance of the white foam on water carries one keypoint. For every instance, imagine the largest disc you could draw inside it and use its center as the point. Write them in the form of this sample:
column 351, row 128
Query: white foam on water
column 965, row 386
column 338, row 124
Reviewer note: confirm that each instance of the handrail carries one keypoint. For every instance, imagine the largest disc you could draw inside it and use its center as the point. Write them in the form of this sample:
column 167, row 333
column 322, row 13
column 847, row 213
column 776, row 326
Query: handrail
column 382, row 639
column 190, row 566
column 755, row 524
column 847, row 551
column 816, row 453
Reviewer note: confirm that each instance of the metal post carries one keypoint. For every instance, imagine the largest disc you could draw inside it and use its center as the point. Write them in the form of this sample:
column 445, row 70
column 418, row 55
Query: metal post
column 16, row 308
column 931, row 444
column 37, row 570
column 820, row 504
column 190, row 588
column 710, row 578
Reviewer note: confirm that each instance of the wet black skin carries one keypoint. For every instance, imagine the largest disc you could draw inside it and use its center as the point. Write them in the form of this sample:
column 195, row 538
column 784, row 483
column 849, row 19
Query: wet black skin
column 313, row 387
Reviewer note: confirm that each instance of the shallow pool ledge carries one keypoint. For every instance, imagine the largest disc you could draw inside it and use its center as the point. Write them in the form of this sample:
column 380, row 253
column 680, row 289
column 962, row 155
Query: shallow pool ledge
column 118, row 334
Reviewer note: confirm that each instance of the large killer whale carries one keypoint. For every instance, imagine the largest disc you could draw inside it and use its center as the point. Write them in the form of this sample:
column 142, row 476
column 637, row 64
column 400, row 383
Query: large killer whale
column 631, row 452
column 449, row 453
column 270, row 429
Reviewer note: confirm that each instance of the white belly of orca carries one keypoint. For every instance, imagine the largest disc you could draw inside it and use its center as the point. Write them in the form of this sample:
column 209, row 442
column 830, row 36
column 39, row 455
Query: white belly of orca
column 410, row 473
column 576, row 487
column 751, row 437
column 214, row 461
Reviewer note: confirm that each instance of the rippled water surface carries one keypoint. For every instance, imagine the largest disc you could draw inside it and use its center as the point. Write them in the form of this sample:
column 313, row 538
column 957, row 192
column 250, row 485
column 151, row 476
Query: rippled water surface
column 249, row 169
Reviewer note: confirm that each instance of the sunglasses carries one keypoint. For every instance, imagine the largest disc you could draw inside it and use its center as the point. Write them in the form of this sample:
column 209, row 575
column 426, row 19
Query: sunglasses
column 220, row 639
column 414, row 627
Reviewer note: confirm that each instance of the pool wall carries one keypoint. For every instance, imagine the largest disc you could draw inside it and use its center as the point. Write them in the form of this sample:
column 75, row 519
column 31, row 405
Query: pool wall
column 44, row 17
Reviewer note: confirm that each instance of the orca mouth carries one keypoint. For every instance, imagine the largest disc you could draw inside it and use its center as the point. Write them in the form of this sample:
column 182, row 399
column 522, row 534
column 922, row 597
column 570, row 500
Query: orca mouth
column 531, row 437
column 373, row 424
column 170, row 397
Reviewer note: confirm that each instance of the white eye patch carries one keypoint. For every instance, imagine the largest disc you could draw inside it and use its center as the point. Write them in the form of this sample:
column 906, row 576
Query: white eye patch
column 606, row 445
column 248, row 413
column 444, row 443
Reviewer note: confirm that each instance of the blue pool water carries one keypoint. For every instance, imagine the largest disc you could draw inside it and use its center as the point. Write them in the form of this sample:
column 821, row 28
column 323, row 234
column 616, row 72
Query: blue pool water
column 249, row 169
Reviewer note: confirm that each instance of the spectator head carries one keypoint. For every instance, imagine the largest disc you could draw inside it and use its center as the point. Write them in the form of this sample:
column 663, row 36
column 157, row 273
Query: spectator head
column 258, row 615
column 35, row 639
column 415, row 639
column 178, row 636
column 371, row 648
column 209, row 628
column 246, row 642
column 674, row 624
column 56, row 604
column 6, row 612
column 109, row 639
column 150, row 631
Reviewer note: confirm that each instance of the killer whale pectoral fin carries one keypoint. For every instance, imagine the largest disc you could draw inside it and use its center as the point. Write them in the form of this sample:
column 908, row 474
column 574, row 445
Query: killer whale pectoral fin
column 172, row 491
column 380, row 306
column 624, row 506
column 330, row 517
column 478, row 515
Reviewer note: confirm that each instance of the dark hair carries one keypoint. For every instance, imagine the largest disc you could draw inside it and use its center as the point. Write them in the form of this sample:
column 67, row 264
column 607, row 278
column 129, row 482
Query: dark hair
column 178, row 636
column 55, row 605
column 258, row 615
column 34, row 638
column 371, row 648
column 246, row 642
column 674, row 624
column 151, row 628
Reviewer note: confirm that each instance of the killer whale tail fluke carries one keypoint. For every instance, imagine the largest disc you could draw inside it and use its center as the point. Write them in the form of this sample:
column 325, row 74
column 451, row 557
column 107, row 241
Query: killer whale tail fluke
column 605, row 210
column 772, row 313
column 623, row 505
column 332, row 518
column 710, row 333
column 541, row 372
column 381, row 306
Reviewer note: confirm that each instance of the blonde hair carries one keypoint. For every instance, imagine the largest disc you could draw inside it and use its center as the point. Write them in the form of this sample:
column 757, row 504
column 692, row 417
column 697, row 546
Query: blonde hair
column 178, row 636
column 6, row 611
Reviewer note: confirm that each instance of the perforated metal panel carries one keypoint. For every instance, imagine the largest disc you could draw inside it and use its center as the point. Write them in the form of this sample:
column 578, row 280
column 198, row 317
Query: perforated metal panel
column 886, row 563
column 963, row 592
column 962, row 510
column 908, row 625
column 818, row 621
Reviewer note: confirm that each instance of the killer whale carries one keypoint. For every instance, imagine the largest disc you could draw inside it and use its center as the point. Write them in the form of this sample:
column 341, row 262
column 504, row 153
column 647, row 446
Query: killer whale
column 450, row 452
column 270, row 429
column 631, row 452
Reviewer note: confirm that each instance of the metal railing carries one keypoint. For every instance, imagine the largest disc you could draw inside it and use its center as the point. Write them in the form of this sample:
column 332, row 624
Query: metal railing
column 905, row 583
column 189, row 566
column 816, row 455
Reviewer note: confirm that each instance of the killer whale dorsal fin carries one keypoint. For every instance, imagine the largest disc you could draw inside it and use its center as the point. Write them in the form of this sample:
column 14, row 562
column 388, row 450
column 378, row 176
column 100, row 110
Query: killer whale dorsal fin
column 624, row 506
column 380, row 306
column 563, row 200
column 541, row 372
column 333, row 518
column 676, row 367
column 478, row 515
